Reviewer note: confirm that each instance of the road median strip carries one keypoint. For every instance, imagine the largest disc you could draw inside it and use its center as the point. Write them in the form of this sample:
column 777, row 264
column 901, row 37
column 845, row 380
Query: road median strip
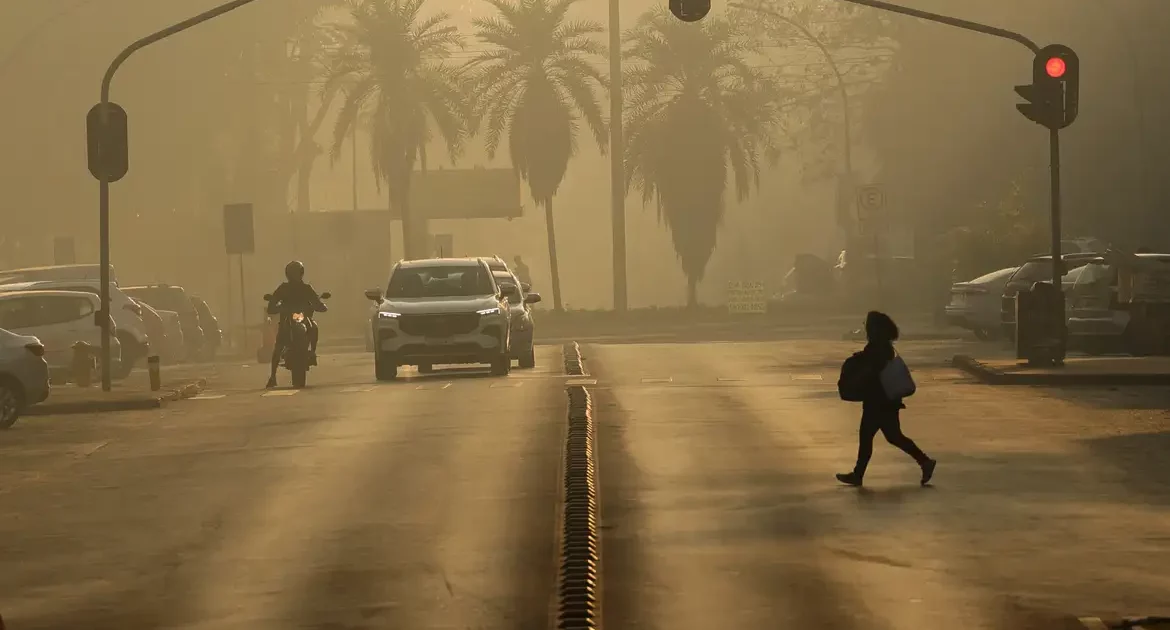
column 65, row 400
column 1108, row 371
column 579, row 575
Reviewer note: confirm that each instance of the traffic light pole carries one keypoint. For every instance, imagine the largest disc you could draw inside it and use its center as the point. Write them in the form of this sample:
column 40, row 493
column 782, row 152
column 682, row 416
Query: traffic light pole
column 1054, row 176
column 104, row 180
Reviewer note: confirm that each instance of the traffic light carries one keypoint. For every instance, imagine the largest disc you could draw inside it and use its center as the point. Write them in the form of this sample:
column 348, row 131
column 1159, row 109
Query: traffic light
column 1053, row 94
column 690, row 10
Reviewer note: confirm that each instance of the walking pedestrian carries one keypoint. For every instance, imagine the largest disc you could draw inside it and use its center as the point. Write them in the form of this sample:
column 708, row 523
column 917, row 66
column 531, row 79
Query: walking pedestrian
column 861, row 380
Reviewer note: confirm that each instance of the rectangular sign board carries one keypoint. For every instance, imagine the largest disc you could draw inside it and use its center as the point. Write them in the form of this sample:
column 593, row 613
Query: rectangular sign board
column 745, row 297
column 238, row 234
column 472, row 193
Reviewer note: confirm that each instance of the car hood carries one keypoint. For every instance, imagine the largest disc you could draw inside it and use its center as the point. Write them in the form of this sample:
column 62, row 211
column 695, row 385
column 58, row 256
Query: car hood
column 9, row 339
column 427, row 306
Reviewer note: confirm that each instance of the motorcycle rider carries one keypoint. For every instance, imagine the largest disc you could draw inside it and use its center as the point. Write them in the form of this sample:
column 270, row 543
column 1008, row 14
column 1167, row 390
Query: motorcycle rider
column 294, row 296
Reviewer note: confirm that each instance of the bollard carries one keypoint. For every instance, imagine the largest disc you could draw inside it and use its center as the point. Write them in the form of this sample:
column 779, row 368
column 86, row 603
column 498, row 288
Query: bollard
column 83, row 364
column 152, row 368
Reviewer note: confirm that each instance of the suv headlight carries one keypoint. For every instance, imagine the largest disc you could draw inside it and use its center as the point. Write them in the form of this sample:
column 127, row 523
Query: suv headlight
column 489, row 311
column 386, row 315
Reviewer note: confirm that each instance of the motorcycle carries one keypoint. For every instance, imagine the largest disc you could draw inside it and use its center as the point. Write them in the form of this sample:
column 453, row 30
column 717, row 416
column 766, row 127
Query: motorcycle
column 295, row 357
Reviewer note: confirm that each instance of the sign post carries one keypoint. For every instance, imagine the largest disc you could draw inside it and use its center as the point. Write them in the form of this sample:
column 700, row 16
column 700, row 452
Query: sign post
column 871, row 202
column 239, row 238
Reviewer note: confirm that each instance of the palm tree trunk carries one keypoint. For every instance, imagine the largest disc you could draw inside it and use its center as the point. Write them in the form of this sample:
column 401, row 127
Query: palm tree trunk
column 552, row 255
column 409, row 230
column 692, row 292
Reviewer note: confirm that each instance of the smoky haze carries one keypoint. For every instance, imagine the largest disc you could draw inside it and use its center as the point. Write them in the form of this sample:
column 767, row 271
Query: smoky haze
column 214, row 114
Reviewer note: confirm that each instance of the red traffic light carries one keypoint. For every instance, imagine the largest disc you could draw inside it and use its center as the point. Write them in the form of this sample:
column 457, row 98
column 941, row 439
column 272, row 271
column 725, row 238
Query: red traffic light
column 1055, row 67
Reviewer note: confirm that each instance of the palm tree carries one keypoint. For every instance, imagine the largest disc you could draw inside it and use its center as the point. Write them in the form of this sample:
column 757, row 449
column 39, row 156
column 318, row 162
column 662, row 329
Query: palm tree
column 694, row 110
column 536, row 81
column 390, row 64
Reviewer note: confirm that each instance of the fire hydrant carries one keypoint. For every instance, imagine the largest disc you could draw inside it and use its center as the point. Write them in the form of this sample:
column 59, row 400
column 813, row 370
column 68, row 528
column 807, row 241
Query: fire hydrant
column 83, row 364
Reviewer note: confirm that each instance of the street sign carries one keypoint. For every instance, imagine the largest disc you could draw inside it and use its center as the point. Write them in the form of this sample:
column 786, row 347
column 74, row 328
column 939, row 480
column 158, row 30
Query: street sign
column 238, row 234
column 108, row 145
column 64, row 251
column 746, row 297
column 871, row 198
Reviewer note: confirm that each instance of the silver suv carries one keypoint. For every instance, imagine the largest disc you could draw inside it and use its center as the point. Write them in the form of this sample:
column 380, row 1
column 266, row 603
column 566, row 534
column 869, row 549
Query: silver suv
column 440, row 311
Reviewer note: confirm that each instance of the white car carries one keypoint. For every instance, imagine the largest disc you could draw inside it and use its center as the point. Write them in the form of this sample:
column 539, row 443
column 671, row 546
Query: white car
column 176, row 348
column 975, row 304
column 127, row 314
column 24, row 375
column 83, row 271
column 59, row 319
column 440, row 311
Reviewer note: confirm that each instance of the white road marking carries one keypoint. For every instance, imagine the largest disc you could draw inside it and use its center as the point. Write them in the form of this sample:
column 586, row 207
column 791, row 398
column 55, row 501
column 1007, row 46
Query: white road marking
column 807, row 377
column 357, row 390
column 507, row 384
column 281, row 392
column 658, row 380
column 582, row 381
column 431, row 386
column 208, row 397
column 730, row 379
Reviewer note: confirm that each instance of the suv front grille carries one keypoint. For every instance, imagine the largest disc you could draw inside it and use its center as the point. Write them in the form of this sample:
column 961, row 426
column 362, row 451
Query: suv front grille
column 442, row 325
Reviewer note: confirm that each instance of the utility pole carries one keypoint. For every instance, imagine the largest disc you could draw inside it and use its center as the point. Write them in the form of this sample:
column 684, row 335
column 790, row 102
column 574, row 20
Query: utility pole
column 617, row 171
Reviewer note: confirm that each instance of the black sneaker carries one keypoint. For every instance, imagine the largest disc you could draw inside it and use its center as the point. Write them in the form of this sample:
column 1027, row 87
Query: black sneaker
column 271, row 382
column 928, row 471
column 850, row 479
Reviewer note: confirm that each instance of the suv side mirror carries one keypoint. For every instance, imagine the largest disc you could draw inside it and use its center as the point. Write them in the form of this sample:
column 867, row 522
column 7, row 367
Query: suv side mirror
column 374, row 295
column 326, row 295
column 532, row 298
column 267, row 297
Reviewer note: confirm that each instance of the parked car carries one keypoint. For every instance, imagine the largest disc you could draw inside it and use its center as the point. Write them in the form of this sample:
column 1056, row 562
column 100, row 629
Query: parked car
column 1098, row 323
column 84, row 271
column 156, row 329
column 1036, row 269
column 975, row 303
column 440, row 311
column 59, row 319
column 176, row 348
column 127, row 314
column 24, row 375
column 212, row 333
column 171, row 298
column 520, row 304
column 495, row 263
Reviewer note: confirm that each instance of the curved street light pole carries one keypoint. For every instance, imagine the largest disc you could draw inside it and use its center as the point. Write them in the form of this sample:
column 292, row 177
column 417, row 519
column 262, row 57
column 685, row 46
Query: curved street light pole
column 847, row 150
column 104, row 180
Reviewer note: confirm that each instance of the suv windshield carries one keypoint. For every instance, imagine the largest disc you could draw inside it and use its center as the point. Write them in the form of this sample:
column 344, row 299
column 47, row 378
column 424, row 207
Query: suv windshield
column 440, row 282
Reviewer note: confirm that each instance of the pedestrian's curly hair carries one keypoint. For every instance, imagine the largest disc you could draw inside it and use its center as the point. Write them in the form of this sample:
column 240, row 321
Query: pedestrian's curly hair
column 880, row 327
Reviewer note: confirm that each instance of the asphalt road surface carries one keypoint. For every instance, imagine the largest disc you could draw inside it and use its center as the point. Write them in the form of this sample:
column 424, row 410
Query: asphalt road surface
column 431, row 502
column 424, row 503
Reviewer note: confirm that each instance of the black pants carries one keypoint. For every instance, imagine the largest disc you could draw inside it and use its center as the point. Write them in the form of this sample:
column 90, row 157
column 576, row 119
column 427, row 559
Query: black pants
column 888, row 422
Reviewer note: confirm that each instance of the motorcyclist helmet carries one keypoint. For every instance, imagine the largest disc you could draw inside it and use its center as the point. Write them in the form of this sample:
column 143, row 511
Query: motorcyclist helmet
column 294, row 271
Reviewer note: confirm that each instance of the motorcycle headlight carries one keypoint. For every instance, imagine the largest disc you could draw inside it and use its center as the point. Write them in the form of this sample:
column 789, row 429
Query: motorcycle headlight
column 489, row 311
column 387, row 315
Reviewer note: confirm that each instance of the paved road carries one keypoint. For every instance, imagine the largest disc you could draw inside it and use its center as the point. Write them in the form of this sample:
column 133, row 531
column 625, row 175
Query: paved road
column 426, row 503
column 720, row 508
column 431, row 502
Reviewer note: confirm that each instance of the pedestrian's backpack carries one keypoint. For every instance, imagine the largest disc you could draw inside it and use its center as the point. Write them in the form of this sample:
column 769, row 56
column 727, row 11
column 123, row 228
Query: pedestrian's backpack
column 896, row 380
column 851, row 383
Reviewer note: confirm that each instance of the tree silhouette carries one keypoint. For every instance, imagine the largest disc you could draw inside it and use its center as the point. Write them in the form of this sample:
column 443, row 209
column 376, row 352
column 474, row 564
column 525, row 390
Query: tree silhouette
column 694, row 110
column 536, row 81
column 391, row 66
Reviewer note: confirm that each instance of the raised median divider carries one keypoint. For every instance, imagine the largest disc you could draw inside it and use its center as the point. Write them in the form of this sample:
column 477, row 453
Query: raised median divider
column 579, row 575
column 1085, row 371
column 78, row 400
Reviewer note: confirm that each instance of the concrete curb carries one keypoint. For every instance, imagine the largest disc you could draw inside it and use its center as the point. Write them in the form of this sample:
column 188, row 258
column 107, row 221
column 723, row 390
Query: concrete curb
column 993, row 376
column 1131, row 623
column 153, row 401
column 579, row 577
